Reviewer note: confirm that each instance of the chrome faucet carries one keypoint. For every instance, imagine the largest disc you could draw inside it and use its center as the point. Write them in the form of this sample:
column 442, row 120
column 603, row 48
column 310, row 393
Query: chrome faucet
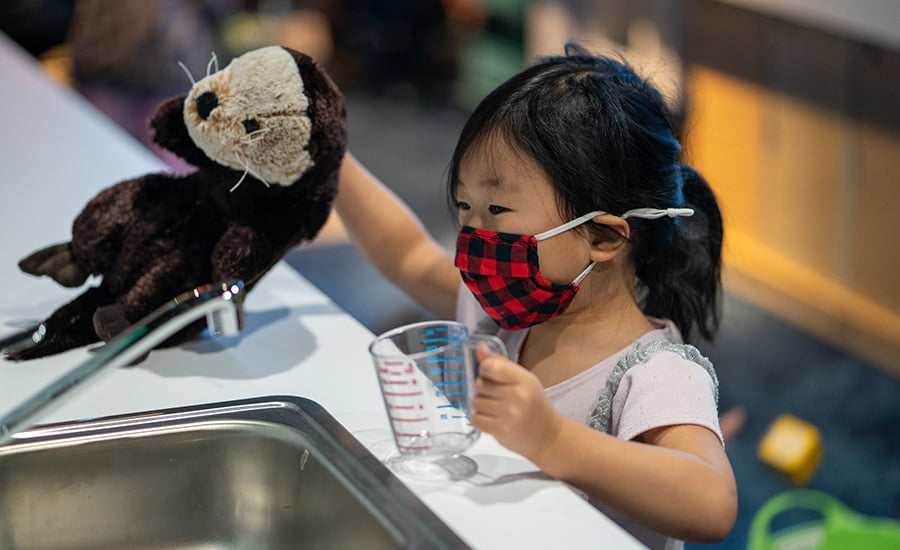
column 220, row 303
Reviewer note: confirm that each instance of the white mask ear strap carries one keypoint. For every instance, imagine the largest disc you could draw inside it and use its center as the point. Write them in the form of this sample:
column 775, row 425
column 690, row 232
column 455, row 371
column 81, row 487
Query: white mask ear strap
column 584, row 273
column 646, row 213
column 653, row 213
column 568, row 225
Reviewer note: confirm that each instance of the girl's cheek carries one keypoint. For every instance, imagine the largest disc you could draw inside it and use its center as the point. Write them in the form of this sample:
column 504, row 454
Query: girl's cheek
column 560, row 262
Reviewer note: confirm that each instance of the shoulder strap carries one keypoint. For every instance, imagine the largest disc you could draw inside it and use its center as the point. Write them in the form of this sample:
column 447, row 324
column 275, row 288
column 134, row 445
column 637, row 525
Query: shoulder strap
column 639, row 353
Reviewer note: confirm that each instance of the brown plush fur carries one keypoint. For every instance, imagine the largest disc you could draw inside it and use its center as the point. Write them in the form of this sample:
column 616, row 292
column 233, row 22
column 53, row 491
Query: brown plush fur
column 156, row 236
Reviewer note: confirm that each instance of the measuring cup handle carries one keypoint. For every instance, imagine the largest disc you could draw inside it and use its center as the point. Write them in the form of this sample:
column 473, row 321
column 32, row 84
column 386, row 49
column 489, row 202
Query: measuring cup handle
column 492, row 343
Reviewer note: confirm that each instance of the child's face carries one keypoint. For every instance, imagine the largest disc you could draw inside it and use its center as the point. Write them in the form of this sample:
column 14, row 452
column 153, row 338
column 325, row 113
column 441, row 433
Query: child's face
column 501, row 190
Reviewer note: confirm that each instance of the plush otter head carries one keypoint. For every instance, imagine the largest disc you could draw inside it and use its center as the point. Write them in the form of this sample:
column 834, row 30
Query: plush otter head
column 252, row 116
column 272, row 114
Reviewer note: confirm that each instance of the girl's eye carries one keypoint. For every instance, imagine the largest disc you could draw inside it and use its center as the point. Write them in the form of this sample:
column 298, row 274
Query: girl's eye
column 460, row 205
column 494, row 209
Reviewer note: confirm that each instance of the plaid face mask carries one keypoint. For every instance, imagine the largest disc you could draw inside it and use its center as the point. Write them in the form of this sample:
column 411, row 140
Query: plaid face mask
column 502, row 271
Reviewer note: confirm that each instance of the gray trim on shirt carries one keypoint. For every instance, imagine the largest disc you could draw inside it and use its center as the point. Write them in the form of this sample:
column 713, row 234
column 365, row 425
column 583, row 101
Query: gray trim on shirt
column 602, row 418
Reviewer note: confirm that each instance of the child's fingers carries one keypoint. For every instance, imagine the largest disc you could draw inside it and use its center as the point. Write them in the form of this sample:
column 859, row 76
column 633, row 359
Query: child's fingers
column 486, row 405
column 486, row 388
column 483, row 353
column 499, row 369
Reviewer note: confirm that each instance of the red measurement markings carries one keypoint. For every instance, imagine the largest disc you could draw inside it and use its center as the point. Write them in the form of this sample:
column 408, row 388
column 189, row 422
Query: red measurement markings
column 391, row 372
column 398, row 419
column 402, row 394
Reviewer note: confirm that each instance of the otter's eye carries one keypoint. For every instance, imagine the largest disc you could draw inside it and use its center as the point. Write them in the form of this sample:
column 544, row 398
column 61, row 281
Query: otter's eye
column 250, row 125
column 206, row 102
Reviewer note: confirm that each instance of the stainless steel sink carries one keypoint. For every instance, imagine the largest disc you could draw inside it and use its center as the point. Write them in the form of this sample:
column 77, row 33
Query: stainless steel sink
column 275, row 472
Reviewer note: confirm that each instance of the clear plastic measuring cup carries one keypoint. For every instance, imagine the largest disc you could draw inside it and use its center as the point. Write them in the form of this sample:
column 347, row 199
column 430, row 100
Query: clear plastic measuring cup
column 427, row 375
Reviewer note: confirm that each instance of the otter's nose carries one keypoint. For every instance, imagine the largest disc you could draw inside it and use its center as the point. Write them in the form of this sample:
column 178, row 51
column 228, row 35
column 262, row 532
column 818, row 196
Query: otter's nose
column 206, row 102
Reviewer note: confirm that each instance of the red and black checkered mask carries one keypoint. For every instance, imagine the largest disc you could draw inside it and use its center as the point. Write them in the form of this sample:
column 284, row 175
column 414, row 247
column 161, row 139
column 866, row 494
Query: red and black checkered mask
column 501, row 270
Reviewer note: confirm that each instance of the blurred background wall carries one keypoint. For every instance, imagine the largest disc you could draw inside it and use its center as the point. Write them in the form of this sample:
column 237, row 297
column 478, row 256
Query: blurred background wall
column 791, row 111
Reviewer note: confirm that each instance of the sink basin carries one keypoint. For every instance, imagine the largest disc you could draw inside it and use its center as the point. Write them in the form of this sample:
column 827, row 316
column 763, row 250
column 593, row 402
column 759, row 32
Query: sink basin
column 273, row 472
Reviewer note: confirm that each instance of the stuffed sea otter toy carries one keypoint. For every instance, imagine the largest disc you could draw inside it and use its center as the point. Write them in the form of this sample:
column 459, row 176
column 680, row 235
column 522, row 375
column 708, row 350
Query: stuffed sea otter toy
column 267, row 135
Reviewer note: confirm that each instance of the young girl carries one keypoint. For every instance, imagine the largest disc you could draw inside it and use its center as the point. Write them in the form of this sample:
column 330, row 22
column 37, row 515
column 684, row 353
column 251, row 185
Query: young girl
column 594, row 250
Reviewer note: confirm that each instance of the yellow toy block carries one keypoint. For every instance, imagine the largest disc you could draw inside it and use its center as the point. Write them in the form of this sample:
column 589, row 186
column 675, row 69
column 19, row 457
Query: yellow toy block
column 792, row 446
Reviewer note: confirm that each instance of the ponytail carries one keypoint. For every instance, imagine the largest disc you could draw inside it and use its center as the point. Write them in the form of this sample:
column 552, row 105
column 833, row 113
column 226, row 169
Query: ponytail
column 678, row 262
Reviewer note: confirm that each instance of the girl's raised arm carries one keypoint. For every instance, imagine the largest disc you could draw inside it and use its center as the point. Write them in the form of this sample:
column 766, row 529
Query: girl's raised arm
column 393, row 238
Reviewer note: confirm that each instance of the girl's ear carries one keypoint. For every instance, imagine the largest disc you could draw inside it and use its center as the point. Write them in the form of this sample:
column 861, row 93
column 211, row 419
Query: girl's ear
column 608, row 246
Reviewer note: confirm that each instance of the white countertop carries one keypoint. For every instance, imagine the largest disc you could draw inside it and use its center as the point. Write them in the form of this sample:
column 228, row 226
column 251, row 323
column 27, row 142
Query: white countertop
column 57, row 153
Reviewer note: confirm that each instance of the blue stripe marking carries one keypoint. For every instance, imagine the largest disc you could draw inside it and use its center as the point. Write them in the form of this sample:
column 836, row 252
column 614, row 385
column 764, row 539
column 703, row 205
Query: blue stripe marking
column 463, row 383
column 439, row 370
column 445, row 359
column 450, row 406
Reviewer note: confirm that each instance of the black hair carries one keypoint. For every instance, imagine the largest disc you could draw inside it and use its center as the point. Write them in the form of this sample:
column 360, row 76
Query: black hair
column 606, row 139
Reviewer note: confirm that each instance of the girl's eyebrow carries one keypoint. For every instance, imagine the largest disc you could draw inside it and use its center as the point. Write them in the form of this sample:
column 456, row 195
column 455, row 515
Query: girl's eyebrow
column 504, row 187
column 493, row 181
column 500, row 186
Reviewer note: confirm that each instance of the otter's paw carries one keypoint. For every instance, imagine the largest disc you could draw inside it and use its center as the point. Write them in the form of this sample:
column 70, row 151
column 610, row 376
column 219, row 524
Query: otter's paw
column 110, row 321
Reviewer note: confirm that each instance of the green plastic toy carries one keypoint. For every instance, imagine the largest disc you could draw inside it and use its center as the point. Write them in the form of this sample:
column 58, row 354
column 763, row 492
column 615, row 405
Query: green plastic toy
column 839, row 529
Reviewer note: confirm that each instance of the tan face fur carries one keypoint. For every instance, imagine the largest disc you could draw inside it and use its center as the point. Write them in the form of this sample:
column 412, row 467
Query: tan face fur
column 255, row 116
